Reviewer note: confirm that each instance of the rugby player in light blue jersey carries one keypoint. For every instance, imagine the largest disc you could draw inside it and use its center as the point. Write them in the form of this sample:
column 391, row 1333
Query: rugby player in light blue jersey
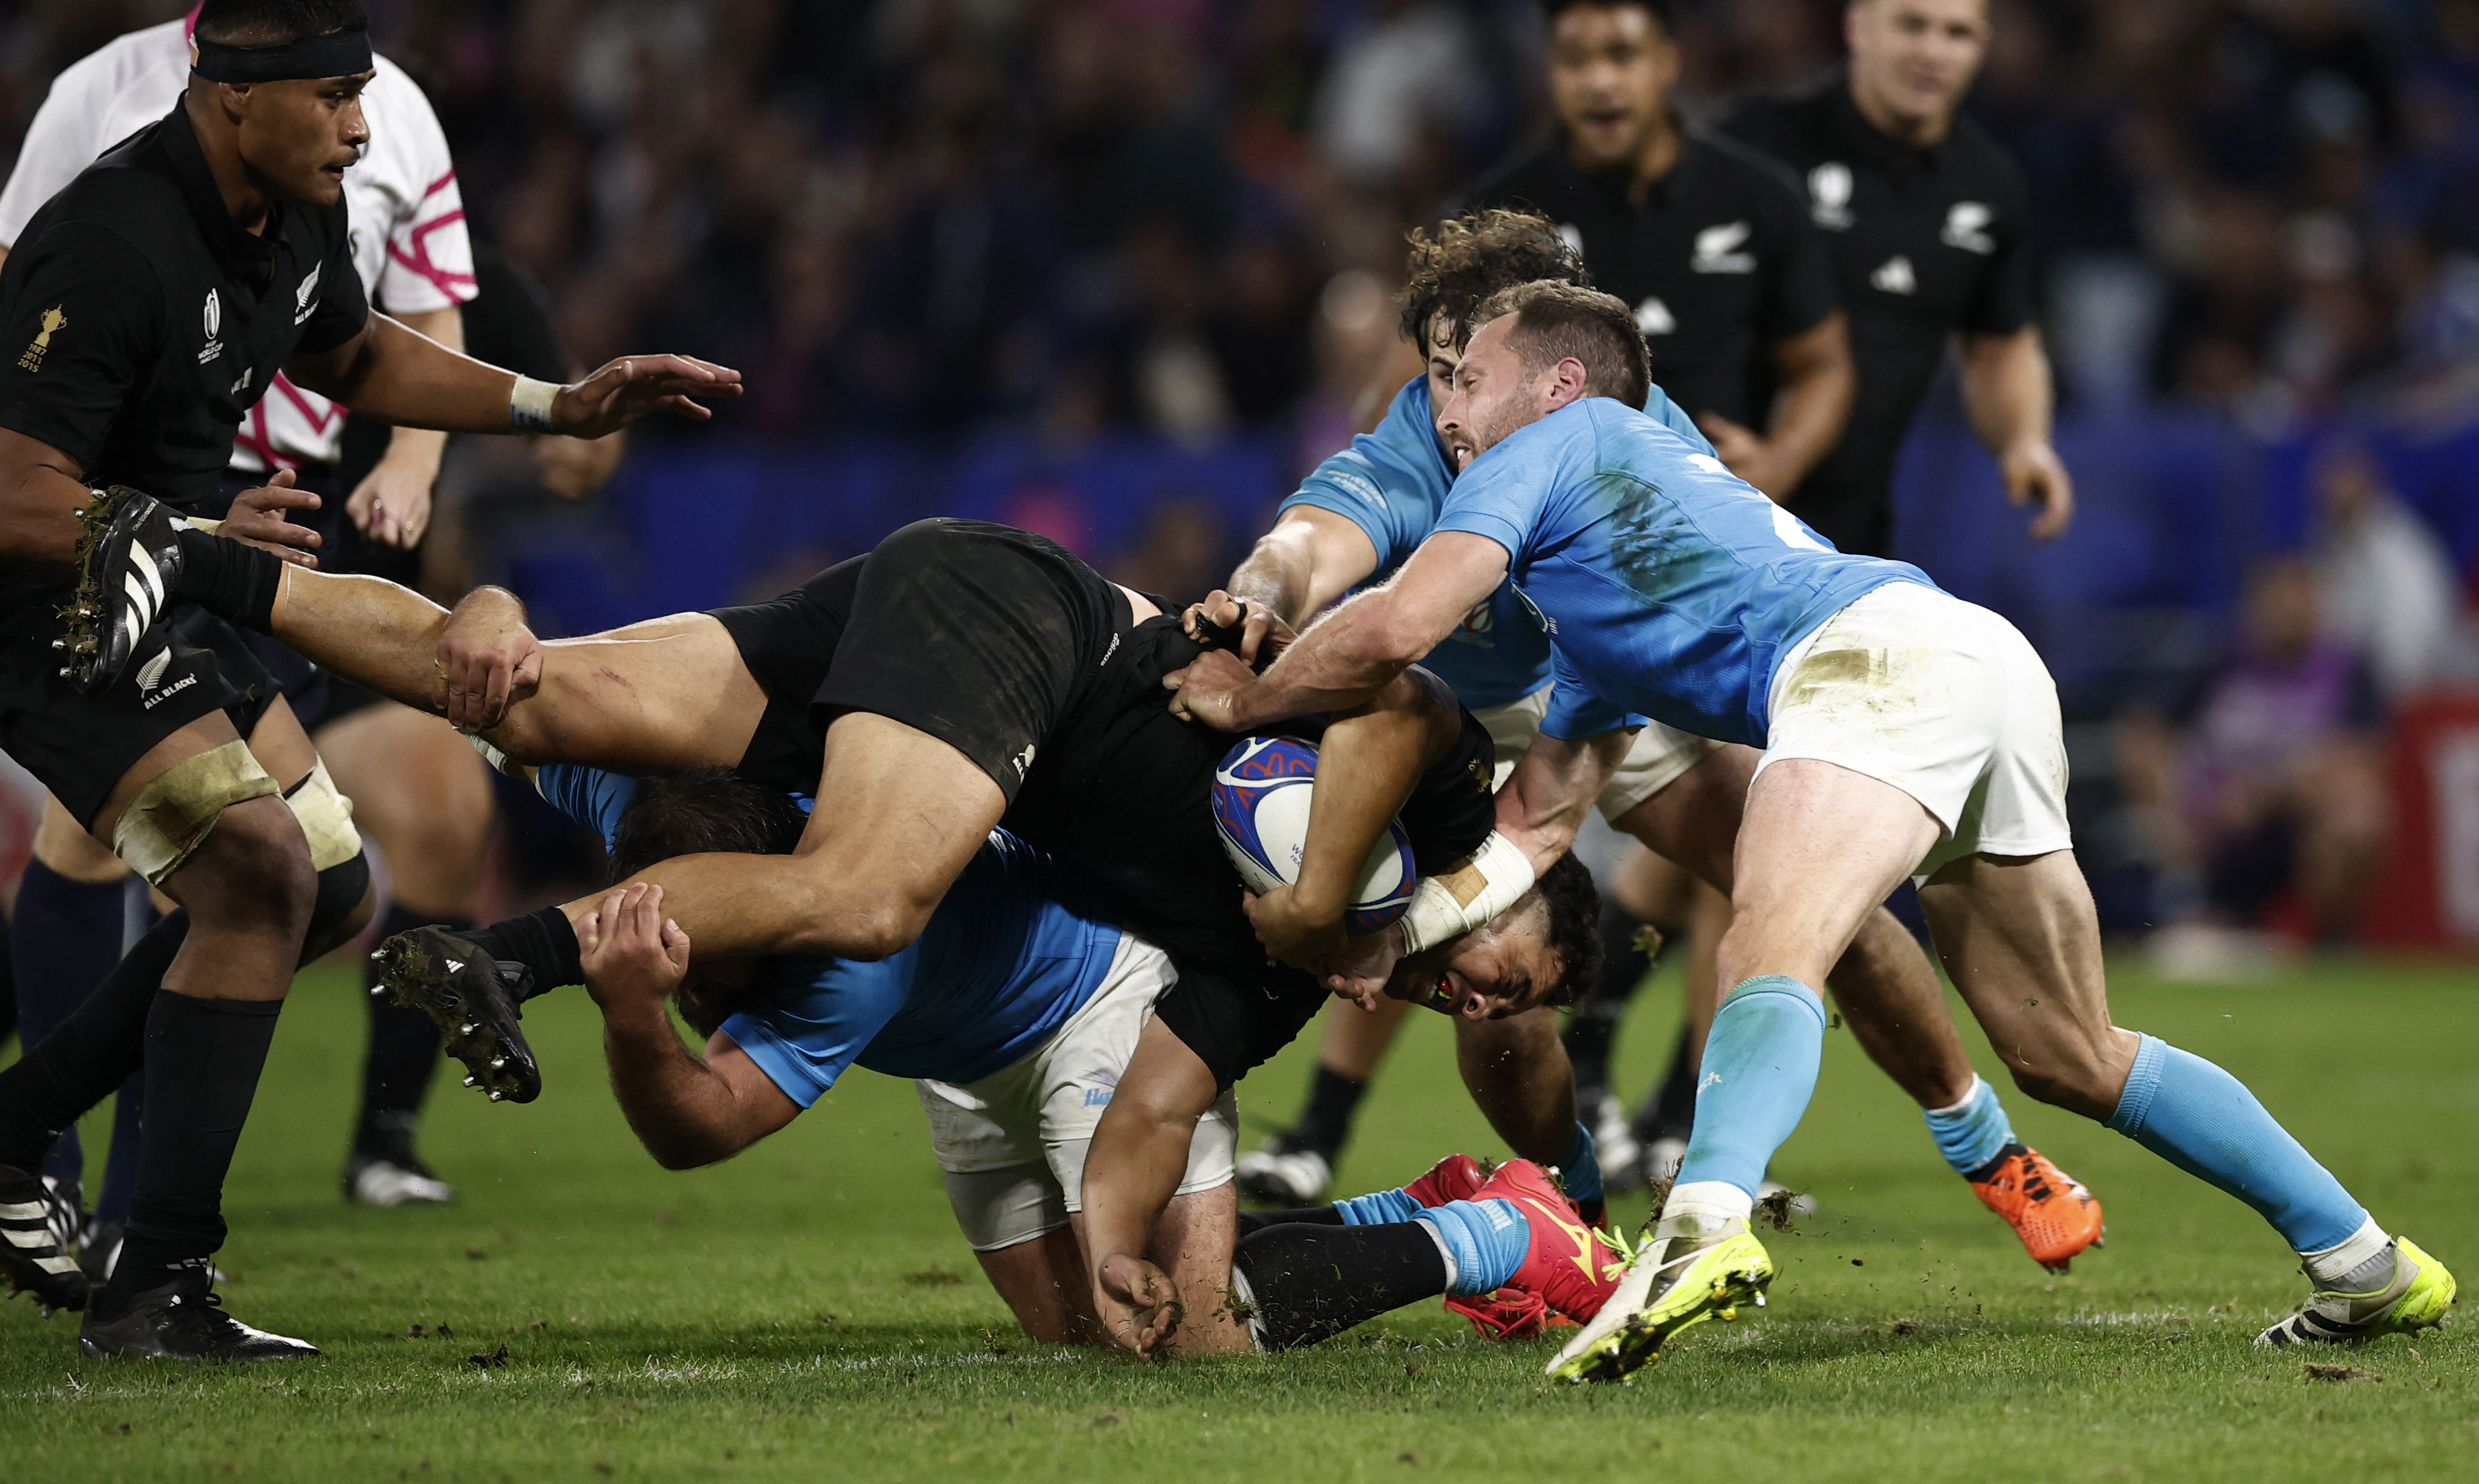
column 1352, row 524
column 1906, row 733
column 1016, row 1012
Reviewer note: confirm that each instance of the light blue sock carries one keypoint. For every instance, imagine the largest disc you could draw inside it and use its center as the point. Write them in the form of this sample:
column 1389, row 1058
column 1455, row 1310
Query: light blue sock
column 1760, row 1061
column 1487, row 1237
column 1579, row 1168
column 1972, row 1133
column 2205, row 1122
column 1378, row 1207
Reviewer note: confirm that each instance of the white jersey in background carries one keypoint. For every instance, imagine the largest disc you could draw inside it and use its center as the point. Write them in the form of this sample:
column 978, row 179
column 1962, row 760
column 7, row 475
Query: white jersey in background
column 408, row 219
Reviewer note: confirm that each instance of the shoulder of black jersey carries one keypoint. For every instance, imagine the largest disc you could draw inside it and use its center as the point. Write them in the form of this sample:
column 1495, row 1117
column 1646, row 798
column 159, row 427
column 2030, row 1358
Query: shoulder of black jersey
column 1982, row 152
column 1750, row 163
column 89, row 222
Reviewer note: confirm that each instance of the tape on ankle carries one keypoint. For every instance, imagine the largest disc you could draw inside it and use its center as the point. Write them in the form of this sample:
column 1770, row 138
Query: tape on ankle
column 172, row 816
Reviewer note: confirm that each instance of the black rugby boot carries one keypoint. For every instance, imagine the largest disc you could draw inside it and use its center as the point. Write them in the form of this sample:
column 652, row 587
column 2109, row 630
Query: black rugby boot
column 185, row 1319
column 32, row 1260
column 129, row 556
column 472, row 998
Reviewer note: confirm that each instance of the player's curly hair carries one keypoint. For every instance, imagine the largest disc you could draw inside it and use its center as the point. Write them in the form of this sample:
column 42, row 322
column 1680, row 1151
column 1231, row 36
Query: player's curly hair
column 1457, row 265
column 1575, row 933
column 703, row 811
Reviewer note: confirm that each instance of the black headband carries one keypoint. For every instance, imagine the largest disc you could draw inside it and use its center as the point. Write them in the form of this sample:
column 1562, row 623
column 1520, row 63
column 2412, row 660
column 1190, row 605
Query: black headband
column 336, row 54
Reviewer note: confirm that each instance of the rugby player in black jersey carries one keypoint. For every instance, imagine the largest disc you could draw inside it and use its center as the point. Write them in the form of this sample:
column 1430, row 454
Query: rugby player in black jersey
column 146, row 307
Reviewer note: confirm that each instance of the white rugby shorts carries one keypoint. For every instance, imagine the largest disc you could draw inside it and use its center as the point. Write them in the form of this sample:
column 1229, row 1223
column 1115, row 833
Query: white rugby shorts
column 1941, row 699
column 1011, row 1145
column 1654, row 762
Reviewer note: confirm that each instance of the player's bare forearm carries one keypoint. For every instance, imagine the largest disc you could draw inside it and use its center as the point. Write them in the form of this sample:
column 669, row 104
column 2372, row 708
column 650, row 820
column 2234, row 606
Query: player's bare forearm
column 1369, row 761
column 1543, row 801
column 682, row 1112
column 2005, row 388
column 1135, row 1161
column 41, row 490
column 1309, row 559
column 378, row 635
column 1818, row 383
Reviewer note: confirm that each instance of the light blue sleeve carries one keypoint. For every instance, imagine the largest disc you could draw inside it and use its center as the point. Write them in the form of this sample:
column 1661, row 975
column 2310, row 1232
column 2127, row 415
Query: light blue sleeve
column 1657, row 402
column 1575, row 712
column 1357, row 483
column 590, row 796
column 818, row 1015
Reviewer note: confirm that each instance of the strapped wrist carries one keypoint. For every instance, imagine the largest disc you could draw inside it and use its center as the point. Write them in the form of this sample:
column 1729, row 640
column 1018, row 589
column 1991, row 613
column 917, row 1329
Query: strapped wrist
column 529, row 404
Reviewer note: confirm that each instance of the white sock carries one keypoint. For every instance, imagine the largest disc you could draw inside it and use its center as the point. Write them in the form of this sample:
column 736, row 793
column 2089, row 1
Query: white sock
column 1243, row 1294
column 1704, row 1208
column 1967, row 1098
column 1453, row 1273
column 2336, row 1267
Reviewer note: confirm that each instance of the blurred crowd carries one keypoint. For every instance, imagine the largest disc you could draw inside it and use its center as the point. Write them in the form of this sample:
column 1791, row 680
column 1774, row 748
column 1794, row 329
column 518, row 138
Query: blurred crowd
column 1184, row 218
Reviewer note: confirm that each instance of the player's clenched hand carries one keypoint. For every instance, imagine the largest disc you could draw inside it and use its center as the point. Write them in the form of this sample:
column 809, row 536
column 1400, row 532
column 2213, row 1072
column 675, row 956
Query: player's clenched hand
column 627, row 388
column 1287, row 932
column 2034, row 475
column 486, row 654
column 257, row 518
column 1136, row 1302
column 1209, row 690
column 633, row 954
column 1358, row 971
column 1262, row 633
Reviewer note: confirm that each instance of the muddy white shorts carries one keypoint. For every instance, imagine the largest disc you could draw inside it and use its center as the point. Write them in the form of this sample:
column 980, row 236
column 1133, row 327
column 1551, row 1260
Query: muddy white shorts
column 1011, row 1145
column 1654, row 762
column 1943, row 700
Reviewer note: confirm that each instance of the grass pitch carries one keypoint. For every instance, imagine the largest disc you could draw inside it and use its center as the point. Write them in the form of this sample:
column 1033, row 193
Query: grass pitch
column 807, row 1311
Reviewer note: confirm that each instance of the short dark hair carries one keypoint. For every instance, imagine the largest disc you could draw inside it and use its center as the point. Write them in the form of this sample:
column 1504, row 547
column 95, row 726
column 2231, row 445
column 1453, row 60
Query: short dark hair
column 1663, row 13
column 276, row 22
column 705, row 811
column 1575, row 932
column 1557, row 320
column 1456, row 265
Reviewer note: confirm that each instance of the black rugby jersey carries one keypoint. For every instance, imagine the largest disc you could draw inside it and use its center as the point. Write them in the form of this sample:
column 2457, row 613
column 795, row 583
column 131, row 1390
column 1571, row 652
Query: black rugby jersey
column 1924, row 242
column 139, row 321
column 1718, row 261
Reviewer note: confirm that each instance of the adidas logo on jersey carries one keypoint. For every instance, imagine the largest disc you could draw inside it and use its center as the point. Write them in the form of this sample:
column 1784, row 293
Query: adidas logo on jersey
column 1895, row 276
column 1653, row 317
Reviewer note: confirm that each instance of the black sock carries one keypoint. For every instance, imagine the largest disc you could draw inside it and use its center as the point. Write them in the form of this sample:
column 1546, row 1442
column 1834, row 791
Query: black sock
column 1670, row 1112
column 542, row 941
column 91, row 1053
column 120, row 1165
column 229, row 579
column 403, row 1053
column 1309, row 1282
column 1326, row 1124
column 65, row 939
column 203, row 1057
column 1315, row 1216
column 1592, row 1028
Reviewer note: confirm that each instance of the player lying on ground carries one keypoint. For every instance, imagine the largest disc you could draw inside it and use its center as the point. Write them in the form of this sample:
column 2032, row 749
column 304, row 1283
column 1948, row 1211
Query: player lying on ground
column 1016, row 1012
column 1906, row 732
column 1360, row 514
column 1037, row 685
column 148, row 305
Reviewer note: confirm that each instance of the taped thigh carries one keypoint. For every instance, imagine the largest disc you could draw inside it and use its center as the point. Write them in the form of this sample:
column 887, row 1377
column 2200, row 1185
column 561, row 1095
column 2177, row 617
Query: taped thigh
column 171, row 816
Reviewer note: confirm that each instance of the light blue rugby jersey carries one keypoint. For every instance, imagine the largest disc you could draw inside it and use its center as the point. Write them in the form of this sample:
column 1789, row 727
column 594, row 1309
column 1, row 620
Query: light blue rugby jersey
column 1668, row 585
column 1392, row 484
column 1008, row 955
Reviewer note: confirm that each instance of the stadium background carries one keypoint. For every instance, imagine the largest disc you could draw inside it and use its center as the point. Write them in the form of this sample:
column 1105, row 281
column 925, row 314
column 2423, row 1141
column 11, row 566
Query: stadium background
column 1118, row 270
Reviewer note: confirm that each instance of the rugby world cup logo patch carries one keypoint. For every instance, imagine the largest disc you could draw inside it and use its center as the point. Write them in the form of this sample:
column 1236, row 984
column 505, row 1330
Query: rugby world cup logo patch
column 213, row 317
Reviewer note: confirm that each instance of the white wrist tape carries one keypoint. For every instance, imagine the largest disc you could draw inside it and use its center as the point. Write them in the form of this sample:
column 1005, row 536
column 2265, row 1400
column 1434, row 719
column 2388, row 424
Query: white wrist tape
column 529, row 404
column 1481, row 888
column 498, row 760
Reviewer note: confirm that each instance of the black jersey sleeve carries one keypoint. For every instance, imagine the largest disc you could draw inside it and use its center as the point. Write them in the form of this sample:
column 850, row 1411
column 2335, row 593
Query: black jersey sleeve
column 84, row 311
column 343, row 309
column 2001, row 303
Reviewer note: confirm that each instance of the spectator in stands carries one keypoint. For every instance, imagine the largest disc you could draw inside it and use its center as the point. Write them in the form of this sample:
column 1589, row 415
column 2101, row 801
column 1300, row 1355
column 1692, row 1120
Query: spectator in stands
column 2390, row 590
column 2276, row 788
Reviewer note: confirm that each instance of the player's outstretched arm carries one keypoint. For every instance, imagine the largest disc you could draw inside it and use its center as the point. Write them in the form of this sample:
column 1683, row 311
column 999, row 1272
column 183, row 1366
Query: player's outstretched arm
column 1348, row 656
column 1132, row 1168
column 1308, row 560
column 686, row 1111
column 395, row 375
column 1544, row 800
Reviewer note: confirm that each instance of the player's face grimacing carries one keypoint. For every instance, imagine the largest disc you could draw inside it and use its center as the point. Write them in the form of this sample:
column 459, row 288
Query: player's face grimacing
column 1493, row 395
column 1490, row 973
column 1611, row 69
column 299, row 137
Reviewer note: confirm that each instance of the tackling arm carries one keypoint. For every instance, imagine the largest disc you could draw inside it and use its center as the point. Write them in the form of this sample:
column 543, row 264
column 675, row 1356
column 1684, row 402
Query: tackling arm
column 1543, row 801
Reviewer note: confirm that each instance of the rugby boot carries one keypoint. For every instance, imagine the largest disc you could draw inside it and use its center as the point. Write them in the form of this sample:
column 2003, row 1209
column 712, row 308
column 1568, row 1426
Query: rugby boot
column 1509, row 1314
column 2050, row 1209
column 1571, row 1265
column 1285, row 1172
column 1454, row 1178
column 128, row 558
column 394, row 1180
column 2417, row 1297
column 185, row 1319
column 1676, row 1281
column 473, row 1000
column 32, row 1260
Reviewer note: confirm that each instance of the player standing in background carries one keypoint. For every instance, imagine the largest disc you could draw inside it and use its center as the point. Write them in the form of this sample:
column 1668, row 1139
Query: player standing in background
column 1926, row 219
column 1734, row 290
column 410, row 249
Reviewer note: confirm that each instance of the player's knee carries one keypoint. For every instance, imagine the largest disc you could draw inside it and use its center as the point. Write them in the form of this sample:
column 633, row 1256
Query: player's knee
column 2075, row 1079
column 252, row 870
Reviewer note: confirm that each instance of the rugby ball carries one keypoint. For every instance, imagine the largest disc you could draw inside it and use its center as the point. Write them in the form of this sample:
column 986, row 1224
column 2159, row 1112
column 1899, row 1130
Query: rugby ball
column 1261, row 809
